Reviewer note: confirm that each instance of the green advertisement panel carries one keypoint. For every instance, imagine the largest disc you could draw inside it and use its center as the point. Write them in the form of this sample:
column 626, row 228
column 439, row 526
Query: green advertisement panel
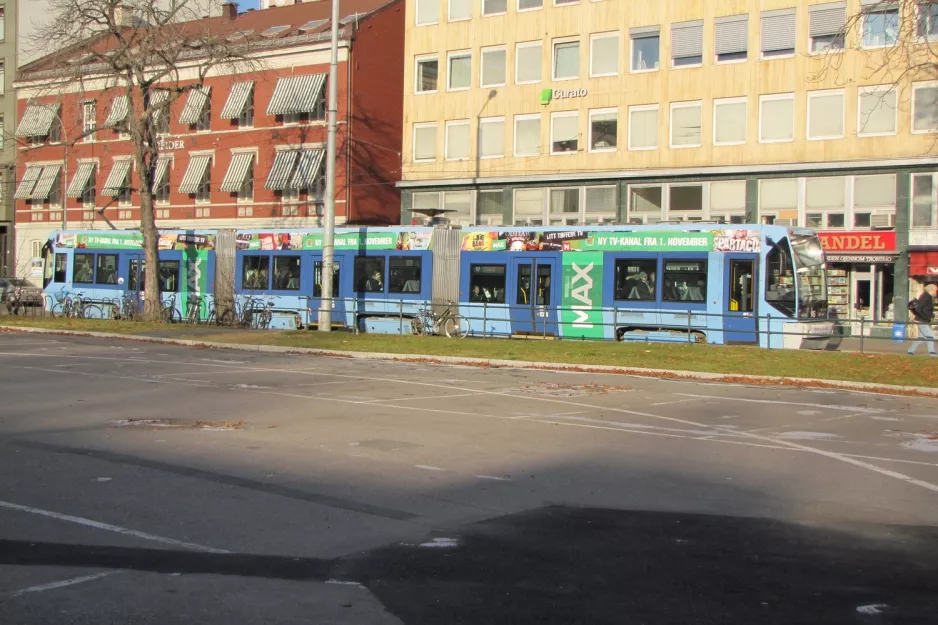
column 582, row 291
column 196, row 265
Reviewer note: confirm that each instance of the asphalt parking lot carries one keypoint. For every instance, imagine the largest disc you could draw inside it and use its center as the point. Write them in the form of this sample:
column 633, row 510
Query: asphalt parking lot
column 157, row 484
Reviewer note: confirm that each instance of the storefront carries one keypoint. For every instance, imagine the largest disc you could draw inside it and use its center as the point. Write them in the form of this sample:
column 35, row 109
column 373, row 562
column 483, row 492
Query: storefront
column 923, row 269
column 861, row 274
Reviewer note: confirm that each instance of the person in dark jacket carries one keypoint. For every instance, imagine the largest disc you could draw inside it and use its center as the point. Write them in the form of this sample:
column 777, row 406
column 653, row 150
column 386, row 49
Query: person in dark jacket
column 924, row 314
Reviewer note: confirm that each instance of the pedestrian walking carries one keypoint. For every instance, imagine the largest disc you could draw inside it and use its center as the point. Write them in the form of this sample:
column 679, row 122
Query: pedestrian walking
column 923, row 313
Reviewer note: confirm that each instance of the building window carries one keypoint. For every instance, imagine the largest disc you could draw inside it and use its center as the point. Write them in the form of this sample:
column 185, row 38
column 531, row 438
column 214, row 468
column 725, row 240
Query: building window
column 203, row 194
column 490, row 208
column 426, row 73
column 494, row 7
column 687, row 44
column 528, row 62
column 604, row 124
column 89, row 119
column 529, row 207
column 425, row 202
column 643, row 127
column 566, row 64
column 527, row 135
column 492, row 137
column 604, row 54
column 601, row 205
column 2, row 37
column 874, row 201
column 246, row 190
column 685, row 202
column 459, row 10
column 89, row 193
column 825, row 114
column 731, row 38
column 564, row 132
column 880, row 25
column 245, row 211
column 776, row 118
column 925, row 107
column 876, row 111
column 202, row 212
column 424, row 142
column 778, row 201
column 289, row 210
column 645, row 204
column 728, row 201
column 245, row 118
column 530, row 5
column 125, row 196
column 459, row 207
column 161, row 190
column 162, row 213
column 778, row 33
column 428, row 12
column 493, row 67
column 460, row 71
column 560, row 2
column 923, row 201
column 824, row 201
column 685, row 124
column 646, row 48
column 729, row 121
column 564, row 207
column 457, row 140
column 927, row 24
column 827, row 27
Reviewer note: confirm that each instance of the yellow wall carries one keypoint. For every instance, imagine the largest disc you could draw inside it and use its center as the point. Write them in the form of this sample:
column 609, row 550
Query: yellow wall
column 752, row 78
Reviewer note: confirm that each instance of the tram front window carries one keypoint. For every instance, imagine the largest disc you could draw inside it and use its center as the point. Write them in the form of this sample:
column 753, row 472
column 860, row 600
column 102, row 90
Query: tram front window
column 812, row 276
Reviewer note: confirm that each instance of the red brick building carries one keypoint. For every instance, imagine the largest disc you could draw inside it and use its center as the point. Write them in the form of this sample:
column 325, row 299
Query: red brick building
column 245, row 152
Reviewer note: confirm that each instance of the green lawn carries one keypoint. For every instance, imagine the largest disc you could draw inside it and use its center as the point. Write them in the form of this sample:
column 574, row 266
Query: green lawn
column 878, row 368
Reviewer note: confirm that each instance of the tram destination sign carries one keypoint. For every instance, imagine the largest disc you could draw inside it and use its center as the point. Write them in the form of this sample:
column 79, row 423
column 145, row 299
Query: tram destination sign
column 639, row 241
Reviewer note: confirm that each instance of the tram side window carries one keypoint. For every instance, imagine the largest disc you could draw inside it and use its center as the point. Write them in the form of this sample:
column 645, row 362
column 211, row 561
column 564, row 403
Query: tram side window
column 685, row 281
column 487, row 283
column 780, row 278
column 255, row 273
column 83, row 269
column 405, row 274
column 369, row 274
column 61, row 268
column 636, row 279
column 169, row 276
column 106, row 270
column 317, row 279
column 287, row 273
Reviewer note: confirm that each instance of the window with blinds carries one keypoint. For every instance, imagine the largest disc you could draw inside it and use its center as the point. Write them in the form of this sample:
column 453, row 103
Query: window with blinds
column 566, row 63
column 825, row 115
column 824, row 200
column 528, row 207
column 528, row 62
column 459, row 10
column 876, row 111
column 564, row 132
column 778, row 198
column 731, row 38
column 604, row 54
column 827, row 26
column 685, row 124
column 493, row 67
column 527, row 135
column 601, row 205
column 459, row 75
column 459, row 205
column 457, row 140
column 564, row 207
column 924, row 107
column 424, row 142
column 604, row 126
column 687, row 43
column 777, row 118
column 874, row 201
column 490, row 207
column 643, row 127
column 428, row 12
column 728, row 201
column 778, row 33
column 492, row 137
column 729, row 121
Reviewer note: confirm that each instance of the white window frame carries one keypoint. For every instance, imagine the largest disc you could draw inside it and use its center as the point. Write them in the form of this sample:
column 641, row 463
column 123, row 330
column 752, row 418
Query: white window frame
column 683, row 105
column 529, row 44
column 843, row 114
column 482, row 12
column 644, row 107
column 417, row 21
column 417, row 60
column 449, row 73
column 918, row 21
column 632, row 39
column 452, row 124
column 873, row 211
column 514, row 134
column 717, row 102
column 589, row 137
column 413, row 147
column 545, row 199
column 771, row 98
column 553, row 57
column 449, row 12
column 606, row 35
column 90, row 137
column 482, row 52
column 873, row 10
column 877, row 90
column 704, row 200
column 929, row 84
column 491, row 120
column 520, row 10
column 560, row 115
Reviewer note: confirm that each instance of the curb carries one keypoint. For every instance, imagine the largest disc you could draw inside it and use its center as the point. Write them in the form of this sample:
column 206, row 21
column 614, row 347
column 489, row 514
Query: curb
column 668, row 374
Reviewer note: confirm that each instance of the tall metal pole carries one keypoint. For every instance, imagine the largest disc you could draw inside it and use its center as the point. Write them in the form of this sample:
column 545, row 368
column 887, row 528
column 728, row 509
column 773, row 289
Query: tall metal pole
column 328, row 240
column 64, row 179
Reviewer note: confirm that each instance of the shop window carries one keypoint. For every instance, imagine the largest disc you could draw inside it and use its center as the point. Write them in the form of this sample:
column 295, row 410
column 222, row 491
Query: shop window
column 405, row 274
column 487, row 283
column 83, row 269
column 255, row 273
column 778, row 201
column 317, row 279
column 601, row 205
column 564, row 206
column 369, row 274
column 728, row 201
column 635, row 279
column 287, row 273
column 874, row 201
column 459, row 205
column 684, row 281
column 529, row 207
column 645, row 204
column 824, row 202
column 685, row 201
column 490, row 208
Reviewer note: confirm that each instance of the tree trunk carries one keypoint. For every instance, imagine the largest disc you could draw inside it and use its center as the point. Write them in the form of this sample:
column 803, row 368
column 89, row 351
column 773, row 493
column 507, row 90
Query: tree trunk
column 153, row 303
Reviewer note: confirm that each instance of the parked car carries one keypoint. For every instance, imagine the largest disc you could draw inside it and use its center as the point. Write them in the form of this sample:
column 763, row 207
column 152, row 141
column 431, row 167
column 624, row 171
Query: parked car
column 22, row 291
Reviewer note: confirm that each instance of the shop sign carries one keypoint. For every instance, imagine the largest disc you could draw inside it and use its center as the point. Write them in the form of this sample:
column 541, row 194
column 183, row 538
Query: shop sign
column 858, row 242
column 932, row 271
column 860, row 258
column 166, row 145
column 561, row 94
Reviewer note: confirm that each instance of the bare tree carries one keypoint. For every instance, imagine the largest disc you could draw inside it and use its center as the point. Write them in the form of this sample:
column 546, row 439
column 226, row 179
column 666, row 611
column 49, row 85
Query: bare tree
column 152, row 53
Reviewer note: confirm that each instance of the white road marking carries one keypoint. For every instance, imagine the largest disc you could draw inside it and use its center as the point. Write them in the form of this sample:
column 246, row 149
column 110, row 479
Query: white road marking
column 494, row 477
column 61, row 584
column 109, row 528
column 787, row 403
column 849, row 416
column 426, row 467
column 400, row 399
column 675, row 401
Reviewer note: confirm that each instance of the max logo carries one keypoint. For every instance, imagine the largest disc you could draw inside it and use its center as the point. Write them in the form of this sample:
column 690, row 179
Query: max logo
column 581, row 294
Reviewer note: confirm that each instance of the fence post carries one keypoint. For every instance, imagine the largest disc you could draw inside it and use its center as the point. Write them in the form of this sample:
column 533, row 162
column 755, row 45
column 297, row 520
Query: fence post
column 400, row 315
column 861, row 335
column 768, row 329
column 689, row 325
column 485, row 317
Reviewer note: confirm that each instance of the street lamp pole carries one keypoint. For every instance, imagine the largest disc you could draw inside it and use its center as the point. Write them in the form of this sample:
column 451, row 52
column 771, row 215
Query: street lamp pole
column 328, row 239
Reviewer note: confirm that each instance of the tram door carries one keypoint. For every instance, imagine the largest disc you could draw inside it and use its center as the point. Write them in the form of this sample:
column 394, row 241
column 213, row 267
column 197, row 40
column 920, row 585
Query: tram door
column 739, row 300
column 534, row 295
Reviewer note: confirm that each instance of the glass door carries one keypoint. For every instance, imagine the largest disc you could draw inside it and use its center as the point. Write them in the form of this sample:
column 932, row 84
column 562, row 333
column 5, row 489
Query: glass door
column 534, row 298
column 739, row 303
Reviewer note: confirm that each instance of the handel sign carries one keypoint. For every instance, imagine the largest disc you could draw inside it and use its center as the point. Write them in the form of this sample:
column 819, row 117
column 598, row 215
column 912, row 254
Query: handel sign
column 863, row 247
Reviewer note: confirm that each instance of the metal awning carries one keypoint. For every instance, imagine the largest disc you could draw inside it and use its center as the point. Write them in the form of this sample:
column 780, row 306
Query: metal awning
column 37, row 120
column 238, row 98
column 117, row 179
column 47, row 179
column 28, row 183
column 162, row 169
column 198, row 99
column 279, row 177
column 296, row 94
column 120, row 107
column 195, row 173
column 80, row 180
column 237, row 172
column 307, row 169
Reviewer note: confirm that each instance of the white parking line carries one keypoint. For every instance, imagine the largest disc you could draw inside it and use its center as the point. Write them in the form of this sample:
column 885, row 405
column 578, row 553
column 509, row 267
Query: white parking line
column 60, row 584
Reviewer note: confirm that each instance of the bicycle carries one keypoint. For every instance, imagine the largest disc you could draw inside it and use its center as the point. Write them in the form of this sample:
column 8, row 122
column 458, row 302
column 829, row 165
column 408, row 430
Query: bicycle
column 450, row 322
column 75, row 307
column 194, row 310
column 169, row 314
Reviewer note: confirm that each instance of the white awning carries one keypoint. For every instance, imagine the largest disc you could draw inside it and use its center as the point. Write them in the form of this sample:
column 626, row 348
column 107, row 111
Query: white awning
column 237, row 172
column 47, row 179
column 279, row 177
column 307, row 169
column 195, row 173
column 117, row 179
column 238, row 98
column 198, row 100
column 80, row 180
column 28, row 183
column 37, row 120
column 120, row 106
column 296, row 94
column 162, row 169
